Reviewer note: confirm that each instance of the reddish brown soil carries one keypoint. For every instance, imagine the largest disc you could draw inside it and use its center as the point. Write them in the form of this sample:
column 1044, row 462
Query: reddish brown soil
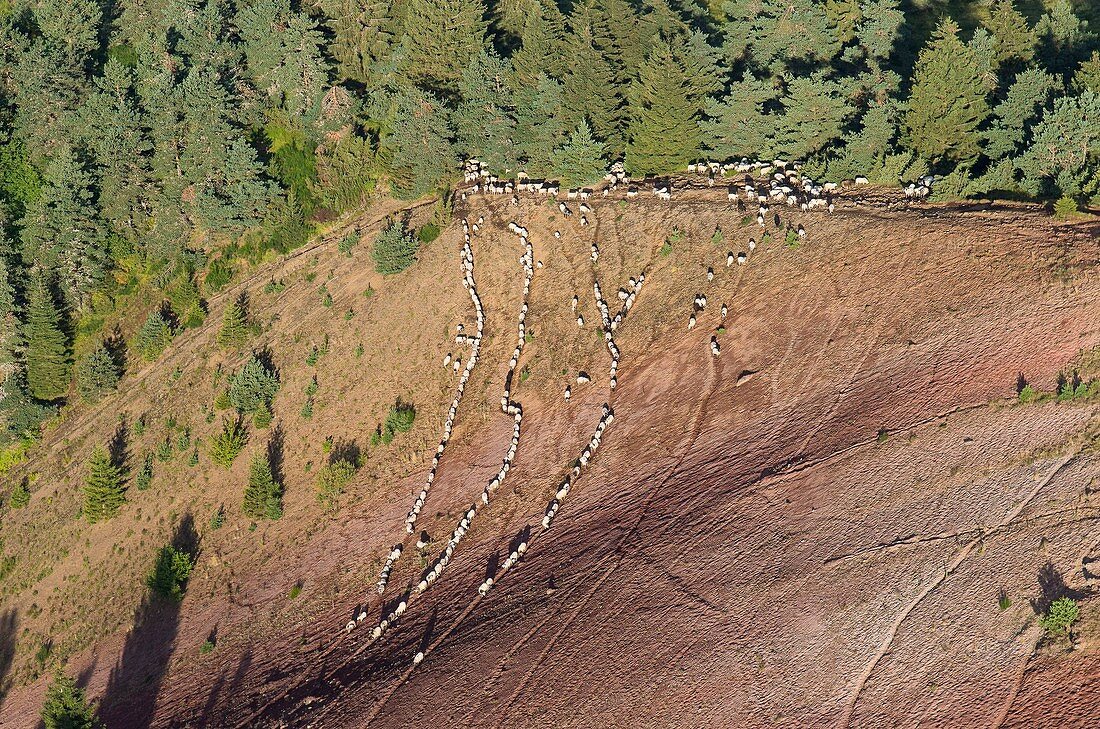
column 822, row 544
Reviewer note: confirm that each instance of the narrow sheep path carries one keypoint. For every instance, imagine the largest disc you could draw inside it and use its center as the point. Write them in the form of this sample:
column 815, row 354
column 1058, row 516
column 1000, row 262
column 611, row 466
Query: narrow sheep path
column 957, row 560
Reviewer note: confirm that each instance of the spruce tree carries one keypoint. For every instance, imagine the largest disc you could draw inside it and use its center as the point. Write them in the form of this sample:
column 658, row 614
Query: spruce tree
column 66, row 706
column 1014, row 39
column 228, row 443
column 103, row 490
column 664, row 133
column 440, row 39
column 1064, row 38
column 394, row 249
column 578, row 161
column 154, row 336
column 947, row 103
column 1064, row 156
column 234, row 330
column 254, row 385
column 815, row 111
column 96, row 373
column 363, row 36
column 590, row 94
column 263, row 497
column 47, row 347
column 1025, row 101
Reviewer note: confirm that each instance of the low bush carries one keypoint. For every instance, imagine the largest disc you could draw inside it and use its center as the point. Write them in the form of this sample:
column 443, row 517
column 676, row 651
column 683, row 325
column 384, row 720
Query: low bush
column 171, row 572
column 331, row 481
column 394, row 249
column 1060, row 616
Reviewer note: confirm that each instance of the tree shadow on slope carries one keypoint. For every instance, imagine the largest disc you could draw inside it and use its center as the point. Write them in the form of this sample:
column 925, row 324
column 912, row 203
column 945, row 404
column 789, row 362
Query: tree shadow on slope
column 1052, row 587
column 9, row 621
column 130, row 699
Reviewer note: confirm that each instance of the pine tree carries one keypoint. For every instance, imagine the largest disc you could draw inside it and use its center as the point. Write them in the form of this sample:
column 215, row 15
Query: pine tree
column 775, row 36
column 20, row 496
column 263, row 497
column 284, row 53
column 255, row 385
column 96, row 374
column 578, row 161
column 1014, row 39
column 484, row 120
column 103, row 490
column 1012, row 118
column 61, row 231
column 664, row 132
column 1088, row 75
column 1064, row 156
column 440, row 39
column 1064, row 38
column 154, row 336
column 816, row 110
column 736, row 125
column 234, row 331
column 363, row 36
column 66, row 706
column 47, row 347
column 947, row 103
column 422, row 156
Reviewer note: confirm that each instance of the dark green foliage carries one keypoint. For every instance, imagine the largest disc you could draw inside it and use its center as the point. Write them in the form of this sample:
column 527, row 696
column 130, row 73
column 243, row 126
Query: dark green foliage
column 578, row 161
column 67, row 707
column 1064, row 156
column 332, row 479
column 228, row 443
column 427, row 233
column 439, row 39
column 1013, row 37
column 665, row 107
column 103, row 490
column 394, row 249
column 154, row 337
column 263, row 416
column 420, row 147
column 1060, row 617
column 96, row 373
column 218, row 275
column 47, row 346
column 254, row 385
column 398, row 420
column 20, row 496
column 948, row 100
column 234, row 329
column 144, row 478
column 171, row 572
column 263, row 497
column 1087, row 77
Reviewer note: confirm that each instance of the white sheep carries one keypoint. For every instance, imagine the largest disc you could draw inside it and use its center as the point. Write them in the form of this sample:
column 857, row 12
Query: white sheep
column 691, row 322
column 710, row 274
column 568, row 393
column 580, row 321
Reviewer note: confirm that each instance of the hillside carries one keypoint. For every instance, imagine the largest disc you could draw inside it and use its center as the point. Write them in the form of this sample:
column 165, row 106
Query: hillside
column 813, row 527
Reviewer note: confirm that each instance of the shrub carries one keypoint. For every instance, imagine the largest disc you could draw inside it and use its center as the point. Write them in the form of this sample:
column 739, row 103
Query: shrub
column 263, row 497
column 331, row 481
column 428, row 232
column 398, row 420
column 154, row 336
column 1065, row 207
column 218, row 275
column 1028, row 394
column 791, row 239
column 253, row 386
column 348, row 242
column 144, row 478
column 1060, row 616
column 96, row 374
column 295, row 591
column 103, row 492
column 718, row 236
column 207, row 646
column 171, row 572
column 228, row 444
column 217, row 521
column 394, row 249
column 274, row 287
column 66, row 706
column 20, row 496
column 186, row 302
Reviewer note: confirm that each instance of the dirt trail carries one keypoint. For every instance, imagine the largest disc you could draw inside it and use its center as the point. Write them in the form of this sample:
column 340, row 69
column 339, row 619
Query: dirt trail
column 807, row 546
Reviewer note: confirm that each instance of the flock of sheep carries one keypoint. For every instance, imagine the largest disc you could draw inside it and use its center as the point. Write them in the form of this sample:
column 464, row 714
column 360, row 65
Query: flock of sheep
column 777, row 183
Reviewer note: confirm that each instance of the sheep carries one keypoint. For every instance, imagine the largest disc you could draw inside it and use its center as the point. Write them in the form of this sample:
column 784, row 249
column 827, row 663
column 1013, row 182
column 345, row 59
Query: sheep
column 584, row 208
column 457, row 365
column 752, row 244
column 583, row 378
column 568, row 393
column 423, row 540
column 557, row 234
column 862, row 181
column 632, row 193
column 710, row 274
column 580, row 321
column 538, row 264
column 574, row 302
column 584, row 221
column 741, row 258
column 418, row 658
column 760, row 220
column 729, row 259
column 801, row 231
column 691, row 322
column 715, row 350
column 447, row 359
column 595, row 253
